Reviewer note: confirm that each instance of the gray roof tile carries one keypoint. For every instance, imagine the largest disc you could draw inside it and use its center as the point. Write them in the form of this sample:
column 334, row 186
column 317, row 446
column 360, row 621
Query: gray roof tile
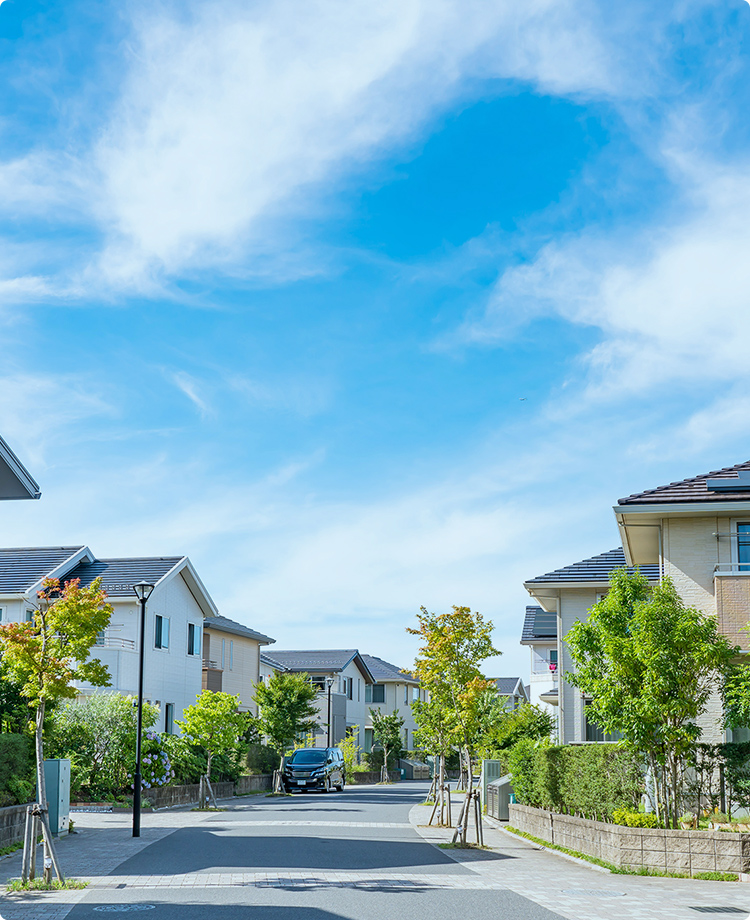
column 383, row 671
column 692, row 490
column 508, row 685
column 224, row 624
column 596, row 569
column 539, row 624
column 328, row 660
column 119, row 575
column 23, row 567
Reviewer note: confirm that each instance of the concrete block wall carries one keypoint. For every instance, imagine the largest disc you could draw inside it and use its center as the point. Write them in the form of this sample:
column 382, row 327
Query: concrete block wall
column 12, row 824
column 687, row 852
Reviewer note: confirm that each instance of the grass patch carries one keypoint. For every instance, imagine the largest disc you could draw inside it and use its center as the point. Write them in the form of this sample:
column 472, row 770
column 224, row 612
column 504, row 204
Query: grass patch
column 622, row 870
column 6, row 851
column 38, row 884
column 240, row 795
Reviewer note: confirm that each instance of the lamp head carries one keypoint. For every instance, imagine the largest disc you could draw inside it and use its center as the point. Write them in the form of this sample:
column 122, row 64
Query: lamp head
column 143, row 590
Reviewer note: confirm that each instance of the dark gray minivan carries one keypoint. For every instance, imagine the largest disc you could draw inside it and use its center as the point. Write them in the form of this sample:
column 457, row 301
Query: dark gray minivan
column 315, row 768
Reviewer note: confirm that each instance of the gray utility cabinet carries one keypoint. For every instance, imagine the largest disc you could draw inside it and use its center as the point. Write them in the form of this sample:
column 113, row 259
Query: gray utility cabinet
column 57, row 780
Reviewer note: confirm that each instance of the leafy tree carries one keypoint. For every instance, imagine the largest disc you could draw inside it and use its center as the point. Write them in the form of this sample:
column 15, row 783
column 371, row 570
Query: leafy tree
column 14, row 707
column 47, row 656
column 286, row 710
column 214, row 723
column 453, row 646
column 350, row 748
column 649, row 664
column 506, row 728
column 386, row 730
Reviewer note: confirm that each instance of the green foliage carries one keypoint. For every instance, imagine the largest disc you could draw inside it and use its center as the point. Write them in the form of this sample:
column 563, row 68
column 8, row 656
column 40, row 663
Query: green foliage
column 17, row 785
column 453, row 646
column 351, row 750
column 386, row 730
column 634, row 818
column 14, row 707
column 510, row 726
column 649, row 664
column 214, row 724
column 592, row 781
column 261, row 758
column 46, row 656
column 286, row 709
column 97, row 734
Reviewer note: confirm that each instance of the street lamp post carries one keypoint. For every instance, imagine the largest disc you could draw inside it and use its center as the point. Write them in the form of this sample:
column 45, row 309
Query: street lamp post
column 329, row 684
column 142, row 591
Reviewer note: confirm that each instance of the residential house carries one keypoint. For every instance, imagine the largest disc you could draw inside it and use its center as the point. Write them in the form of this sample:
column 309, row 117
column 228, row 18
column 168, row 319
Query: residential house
column 341, row 677
column 540, row 635
column 392, row 690
column 174, row 618
column 697, row 532
column 512, row 689
column 569, row 593
column 231, row 659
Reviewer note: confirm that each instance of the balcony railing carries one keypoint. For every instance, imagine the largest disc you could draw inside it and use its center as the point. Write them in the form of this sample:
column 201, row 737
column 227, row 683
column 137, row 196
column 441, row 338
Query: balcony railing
column 737, row 568
column 210, row 665
column 114, row 642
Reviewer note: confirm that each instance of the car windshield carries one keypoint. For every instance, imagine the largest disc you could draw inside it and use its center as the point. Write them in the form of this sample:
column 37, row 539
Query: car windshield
column 308, row 758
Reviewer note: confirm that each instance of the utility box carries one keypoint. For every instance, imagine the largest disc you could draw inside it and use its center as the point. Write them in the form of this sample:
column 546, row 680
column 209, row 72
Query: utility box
column 57, row 780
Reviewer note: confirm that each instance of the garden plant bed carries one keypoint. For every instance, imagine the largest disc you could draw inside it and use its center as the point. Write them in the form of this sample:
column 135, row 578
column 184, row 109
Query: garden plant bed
column 690, row 853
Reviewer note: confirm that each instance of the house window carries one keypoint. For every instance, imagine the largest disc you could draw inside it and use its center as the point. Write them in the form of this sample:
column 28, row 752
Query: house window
column 29, row 616
column 169, row 719
column 359, row 689
column 553, row 657
column 2, row 614
column 369, row 737
column 743, row 547
column 231, row 654
column 349, row 684
column 161, row 632
column 377, row 693
column 194, row 639
column 318, row 682
column 406, row 694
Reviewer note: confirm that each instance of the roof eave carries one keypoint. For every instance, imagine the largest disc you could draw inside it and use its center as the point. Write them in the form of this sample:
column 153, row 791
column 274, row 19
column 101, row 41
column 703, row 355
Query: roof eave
column 20, row 473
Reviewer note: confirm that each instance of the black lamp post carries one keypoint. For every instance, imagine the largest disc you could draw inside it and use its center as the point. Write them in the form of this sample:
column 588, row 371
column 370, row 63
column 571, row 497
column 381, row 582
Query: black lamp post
column 142, row 591
column 329, row 684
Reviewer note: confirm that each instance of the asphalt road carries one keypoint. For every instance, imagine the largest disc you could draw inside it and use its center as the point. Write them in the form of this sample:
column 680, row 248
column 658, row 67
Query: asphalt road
column 361, row 830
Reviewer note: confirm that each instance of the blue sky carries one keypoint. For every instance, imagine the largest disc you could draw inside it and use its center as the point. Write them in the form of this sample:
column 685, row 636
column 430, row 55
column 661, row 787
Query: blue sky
column 367, row 307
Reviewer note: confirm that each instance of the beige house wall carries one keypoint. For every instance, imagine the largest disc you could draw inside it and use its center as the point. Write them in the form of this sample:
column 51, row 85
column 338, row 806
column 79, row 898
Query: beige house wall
column 241, row 668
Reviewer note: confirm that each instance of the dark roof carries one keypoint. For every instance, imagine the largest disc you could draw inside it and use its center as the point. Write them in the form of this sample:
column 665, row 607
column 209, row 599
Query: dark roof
column 224, row 624
column 15, row 480
column 119, row 575
column 23, row 567
column 595, row 569
column 383, row 671
column 265, row 659
column 507, row 685
column 696, row 489
column 318, row 660
column 539, row 624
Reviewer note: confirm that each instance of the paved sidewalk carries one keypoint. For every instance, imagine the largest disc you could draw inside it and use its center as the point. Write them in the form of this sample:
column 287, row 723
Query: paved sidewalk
column 578, row 890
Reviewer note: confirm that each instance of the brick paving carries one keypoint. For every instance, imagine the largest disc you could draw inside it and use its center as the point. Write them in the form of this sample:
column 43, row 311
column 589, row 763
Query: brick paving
column 568, row 887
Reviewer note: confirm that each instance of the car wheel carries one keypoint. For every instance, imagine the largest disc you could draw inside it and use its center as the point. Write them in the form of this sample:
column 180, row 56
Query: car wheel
column 327, row 787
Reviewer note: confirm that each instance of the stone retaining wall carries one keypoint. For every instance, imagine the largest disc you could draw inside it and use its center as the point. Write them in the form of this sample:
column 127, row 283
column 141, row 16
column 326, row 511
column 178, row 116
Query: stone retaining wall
column 373, row 776
column 687, row 852
column 12, row 824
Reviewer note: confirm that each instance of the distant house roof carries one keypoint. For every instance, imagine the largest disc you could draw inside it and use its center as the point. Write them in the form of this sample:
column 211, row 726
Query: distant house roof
column 538, row 625
column 15, row 480
column 270, row 663
column 326, row 660
column 510, row 686
column 224, row 624
column 119, row 575
column 596, row 569
column 383, row 671
column 21, row 568
column 729, row 484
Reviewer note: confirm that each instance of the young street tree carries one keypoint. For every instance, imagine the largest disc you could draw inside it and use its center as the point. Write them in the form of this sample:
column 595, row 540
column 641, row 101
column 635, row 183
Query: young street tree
column 386, row 731
column 286, row 711
column 49, row 654
column 453, row 646
column 650, row 664
column 213, row 723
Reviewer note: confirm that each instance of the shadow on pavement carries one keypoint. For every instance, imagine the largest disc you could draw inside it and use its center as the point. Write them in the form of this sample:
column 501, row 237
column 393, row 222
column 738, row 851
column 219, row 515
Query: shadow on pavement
column 200, row 850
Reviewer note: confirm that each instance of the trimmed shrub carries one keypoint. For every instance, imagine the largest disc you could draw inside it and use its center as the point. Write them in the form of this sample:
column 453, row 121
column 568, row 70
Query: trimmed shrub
column 592, row 780
column 634, row 818
column 17, row 780
column 262, row 759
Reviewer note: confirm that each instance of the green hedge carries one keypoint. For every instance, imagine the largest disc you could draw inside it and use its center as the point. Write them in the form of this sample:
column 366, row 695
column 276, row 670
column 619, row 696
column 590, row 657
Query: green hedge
column 17, row 781
column 592, row 780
